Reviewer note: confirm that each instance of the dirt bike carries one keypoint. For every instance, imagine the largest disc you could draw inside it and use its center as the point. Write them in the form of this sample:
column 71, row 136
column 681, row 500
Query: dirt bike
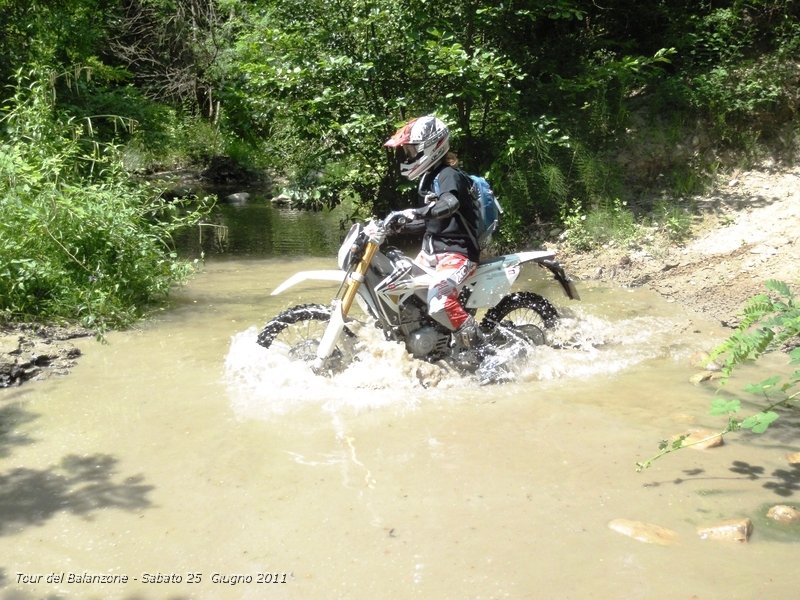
column 392, row 289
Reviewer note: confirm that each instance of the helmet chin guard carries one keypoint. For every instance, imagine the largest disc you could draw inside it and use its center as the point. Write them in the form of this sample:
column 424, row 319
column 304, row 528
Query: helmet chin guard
column 425, row 140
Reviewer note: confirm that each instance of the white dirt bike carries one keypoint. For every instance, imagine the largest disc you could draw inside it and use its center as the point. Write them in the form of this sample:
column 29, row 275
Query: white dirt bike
column 392, row 289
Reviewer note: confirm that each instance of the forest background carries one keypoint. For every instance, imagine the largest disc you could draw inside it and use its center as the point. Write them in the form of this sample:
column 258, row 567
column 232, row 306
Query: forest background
column 589, row 118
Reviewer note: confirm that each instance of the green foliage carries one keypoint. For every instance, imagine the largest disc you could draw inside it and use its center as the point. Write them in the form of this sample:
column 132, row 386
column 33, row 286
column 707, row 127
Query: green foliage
column 551, row 99
column 742, row 75
column 609, row 222
column 78, row 239
column 770, row 322
column 672, row 218
column 531, row 177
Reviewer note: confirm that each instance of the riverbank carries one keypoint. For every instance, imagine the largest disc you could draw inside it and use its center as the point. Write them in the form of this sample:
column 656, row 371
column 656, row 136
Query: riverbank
column 746, row 231
column 30, row 351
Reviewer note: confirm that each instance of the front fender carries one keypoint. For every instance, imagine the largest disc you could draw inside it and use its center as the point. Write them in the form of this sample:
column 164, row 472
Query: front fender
column 326, row 275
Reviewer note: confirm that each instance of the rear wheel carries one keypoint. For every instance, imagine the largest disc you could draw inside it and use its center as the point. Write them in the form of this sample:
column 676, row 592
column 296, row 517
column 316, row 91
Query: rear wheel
column 522, row 314
column 296, row 332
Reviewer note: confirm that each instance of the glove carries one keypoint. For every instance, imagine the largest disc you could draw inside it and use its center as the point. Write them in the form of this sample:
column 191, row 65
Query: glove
column 399, row 219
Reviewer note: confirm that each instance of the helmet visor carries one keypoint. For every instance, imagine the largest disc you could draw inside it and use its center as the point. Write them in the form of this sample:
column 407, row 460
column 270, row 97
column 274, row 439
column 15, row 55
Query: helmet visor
column 411, row 151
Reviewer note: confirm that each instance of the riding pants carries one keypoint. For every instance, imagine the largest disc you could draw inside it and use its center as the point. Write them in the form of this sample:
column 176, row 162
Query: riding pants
column 452, row 270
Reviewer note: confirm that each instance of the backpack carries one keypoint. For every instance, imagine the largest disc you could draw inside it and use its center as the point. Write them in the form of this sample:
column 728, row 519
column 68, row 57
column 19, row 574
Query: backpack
column 488, row 209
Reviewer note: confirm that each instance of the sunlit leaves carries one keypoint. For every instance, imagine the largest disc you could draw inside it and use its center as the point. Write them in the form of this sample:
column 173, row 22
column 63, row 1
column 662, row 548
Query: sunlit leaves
column 721, row 406
column 769, row 322
column 759, row 423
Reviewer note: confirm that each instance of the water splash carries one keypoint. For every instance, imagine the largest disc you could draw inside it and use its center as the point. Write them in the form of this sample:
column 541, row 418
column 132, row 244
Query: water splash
column 266, row 382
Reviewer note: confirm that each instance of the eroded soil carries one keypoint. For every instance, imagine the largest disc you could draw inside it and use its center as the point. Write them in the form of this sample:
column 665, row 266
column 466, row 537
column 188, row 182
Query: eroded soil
column 747, row 231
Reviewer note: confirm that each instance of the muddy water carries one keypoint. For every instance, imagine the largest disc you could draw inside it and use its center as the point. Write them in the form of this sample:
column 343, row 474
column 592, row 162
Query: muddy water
column 184, row 458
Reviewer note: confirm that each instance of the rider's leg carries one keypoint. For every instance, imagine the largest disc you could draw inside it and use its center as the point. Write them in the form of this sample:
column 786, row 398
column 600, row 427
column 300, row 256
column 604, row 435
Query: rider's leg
column 452, row 270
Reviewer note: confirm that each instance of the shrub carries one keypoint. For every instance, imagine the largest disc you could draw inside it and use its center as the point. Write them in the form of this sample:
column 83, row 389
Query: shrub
column 78, row 239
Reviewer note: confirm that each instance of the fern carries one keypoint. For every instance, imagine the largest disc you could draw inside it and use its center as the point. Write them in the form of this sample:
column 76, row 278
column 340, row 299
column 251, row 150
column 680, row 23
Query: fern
column 769, row 322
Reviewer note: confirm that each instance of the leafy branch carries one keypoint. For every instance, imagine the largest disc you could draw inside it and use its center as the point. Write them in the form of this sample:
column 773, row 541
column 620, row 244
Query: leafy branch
column 770, row 322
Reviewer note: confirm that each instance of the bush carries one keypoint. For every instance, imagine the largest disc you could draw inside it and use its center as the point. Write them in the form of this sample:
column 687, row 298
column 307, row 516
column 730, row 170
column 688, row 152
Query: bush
column 78, row 239
column 610, row 222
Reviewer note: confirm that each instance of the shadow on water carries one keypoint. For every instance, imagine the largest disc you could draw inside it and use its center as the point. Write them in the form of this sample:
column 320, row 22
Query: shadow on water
column 782, row 482
column 11, row 417
column 78, row 485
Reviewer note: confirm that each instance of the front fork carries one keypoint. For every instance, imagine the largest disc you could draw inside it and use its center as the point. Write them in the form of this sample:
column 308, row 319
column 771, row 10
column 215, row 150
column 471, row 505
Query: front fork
column 340, row 307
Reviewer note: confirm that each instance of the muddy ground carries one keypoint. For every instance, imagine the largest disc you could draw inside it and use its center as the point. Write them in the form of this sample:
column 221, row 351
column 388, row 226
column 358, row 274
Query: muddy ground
column 746, row 231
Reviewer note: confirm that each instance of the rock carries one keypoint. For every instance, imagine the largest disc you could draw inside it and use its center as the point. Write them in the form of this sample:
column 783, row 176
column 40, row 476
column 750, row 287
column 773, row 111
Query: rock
column 9, row 344
column 35, row 352
column 701, row 439
column 783, row 513
column 702, row 360
column 237, row 198
column 793, row 458
column 644, row 532
column 701, row 377
column 735, row 530
column 281, row 199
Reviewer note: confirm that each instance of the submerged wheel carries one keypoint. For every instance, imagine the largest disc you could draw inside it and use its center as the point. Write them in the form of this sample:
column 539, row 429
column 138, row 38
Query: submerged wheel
column 523, row 313
column 297, row 332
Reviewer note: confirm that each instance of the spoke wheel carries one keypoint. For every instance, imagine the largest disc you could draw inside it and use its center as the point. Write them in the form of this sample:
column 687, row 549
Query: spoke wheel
column 297, row 331
column 522, row 315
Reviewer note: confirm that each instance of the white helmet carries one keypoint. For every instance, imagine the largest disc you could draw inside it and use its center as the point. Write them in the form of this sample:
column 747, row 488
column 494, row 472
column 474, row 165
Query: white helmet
column 425, row 141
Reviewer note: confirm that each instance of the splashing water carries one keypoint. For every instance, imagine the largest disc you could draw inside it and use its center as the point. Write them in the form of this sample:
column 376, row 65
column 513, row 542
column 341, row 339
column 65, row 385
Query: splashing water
column 265, row 382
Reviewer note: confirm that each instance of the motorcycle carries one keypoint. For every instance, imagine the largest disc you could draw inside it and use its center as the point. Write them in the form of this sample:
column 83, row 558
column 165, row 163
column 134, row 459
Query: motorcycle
column 392, row 290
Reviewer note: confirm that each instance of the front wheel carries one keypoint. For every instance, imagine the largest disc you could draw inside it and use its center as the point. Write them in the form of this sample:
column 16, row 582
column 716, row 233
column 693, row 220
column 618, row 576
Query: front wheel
column 522, row 314
column 297, row 331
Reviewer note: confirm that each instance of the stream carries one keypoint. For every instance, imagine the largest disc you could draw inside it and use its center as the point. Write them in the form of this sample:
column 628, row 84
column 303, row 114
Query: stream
column 180, row 460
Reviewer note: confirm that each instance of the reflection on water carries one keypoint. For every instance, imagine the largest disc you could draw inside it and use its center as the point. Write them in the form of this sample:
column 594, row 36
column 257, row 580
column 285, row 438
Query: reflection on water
column 257, row 228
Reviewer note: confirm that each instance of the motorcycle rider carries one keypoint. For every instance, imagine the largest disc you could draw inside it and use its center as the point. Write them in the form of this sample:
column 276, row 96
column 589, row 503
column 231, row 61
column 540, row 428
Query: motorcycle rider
column 450, row 215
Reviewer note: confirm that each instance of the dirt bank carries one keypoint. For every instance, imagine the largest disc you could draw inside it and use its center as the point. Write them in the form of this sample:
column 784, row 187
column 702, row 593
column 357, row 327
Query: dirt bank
column 37, row 351
column 747, row 231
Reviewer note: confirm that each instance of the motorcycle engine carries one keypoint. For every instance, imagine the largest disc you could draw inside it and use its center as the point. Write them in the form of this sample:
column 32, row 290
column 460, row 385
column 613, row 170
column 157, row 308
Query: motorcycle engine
column 423, row 337
column 425, row 341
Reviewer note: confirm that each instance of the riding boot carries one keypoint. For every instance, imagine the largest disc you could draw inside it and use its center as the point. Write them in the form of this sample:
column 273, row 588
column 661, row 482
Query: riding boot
column 469, row 334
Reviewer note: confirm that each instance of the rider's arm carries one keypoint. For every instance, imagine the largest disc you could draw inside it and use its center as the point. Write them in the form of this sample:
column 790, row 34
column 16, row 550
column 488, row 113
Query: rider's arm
column 444, row 206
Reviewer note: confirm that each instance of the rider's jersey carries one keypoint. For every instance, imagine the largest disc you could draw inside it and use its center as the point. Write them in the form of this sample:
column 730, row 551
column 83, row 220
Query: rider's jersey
column 454, row 229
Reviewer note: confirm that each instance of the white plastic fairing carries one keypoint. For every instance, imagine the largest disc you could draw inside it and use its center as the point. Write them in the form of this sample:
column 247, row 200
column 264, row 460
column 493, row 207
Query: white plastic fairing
column 494, row 283
column 327, row 275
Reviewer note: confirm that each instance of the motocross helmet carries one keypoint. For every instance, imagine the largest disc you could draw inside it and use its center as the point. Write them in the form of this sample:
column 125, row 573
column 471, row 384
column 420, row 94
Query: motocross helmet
column 425, row 141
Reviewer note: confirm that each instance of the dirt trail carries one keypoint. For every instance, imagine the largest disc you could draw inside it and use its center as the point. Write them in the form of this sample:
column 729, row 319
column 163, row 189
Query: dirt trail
column 747, row 231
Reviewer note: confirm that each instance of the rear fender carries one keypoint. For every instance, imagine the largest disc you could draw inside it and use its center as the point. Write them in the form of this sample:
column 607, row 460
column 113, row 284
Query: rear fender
column 493, row 279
